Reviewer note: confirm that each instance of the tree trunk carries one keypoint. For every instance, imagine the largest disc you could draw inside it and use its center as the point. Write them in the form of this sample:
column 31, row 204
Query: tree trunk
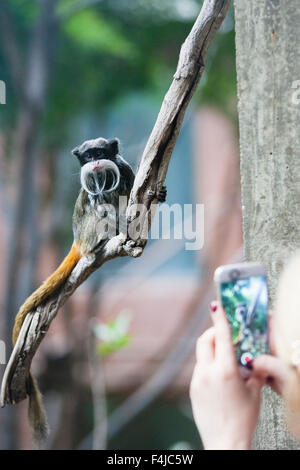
column 268, row 51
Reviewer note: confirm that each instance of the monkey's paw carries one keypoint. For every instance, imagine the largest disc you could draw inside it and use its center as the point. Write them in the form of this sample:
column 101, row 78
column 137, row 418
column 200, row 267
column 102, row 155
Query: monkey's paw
column 133, row 248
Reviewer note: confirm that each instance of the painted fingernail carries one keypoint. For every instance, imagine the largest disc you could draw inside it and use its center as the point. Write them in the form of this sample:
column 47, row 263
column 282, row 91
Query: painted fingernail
column 213, row 306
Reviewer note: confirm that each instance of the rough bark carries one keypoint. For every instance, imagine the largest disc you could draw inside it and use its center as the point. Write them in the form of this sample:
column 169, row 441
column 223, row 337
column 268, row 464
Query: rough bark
column 150, row 176
column 268, row 51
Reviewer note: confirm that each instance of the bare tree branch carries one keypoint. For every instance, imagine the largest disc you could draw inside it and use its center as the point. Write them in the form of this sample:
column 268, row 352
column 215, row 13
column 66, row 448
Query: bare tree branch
column 149, row 179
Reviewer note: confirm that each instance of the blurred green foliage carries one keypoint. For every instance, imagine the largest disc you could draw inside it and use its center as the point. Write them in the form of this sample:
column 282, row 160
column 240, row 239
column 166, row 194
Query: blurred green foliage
column 113, row 48
column 91, row 31
column 113, row 335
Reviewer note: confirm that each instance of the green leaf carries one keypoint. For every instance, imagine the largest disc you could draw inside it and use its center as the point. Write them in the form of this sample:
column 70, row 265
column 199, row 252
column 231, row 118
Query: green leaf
column 91, row 31
column 114, row 334
column 107, row 348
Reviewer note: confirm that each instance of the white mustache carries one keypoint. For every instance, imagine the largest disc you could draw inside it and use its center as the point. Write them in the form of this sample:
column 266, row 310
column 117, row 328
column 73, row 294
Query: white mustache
column 93, row 176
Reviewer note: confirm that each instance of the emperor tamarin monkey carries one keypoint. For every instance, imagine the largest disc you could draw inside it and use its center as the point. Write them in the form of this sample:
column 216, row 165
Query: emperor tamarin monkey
column 105, row 176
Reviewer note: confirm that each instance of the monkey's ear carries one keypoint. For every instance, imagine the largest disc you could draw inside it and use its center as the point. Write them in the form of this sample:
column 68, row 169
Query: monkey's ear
column 76, row 152
column 114, row 146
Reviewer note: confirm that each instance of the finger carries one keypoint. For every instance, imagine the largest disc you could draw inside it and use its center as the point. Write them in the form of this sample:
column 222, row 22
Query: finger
column 224, row 349
column 272, row 369
column 205, row 346
column 267, row 365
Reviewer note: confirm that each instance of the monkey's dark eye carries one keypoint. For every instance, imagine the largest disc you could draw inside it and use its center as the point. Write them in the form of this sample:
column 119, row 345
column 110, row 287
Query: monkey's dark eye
column 88, row 157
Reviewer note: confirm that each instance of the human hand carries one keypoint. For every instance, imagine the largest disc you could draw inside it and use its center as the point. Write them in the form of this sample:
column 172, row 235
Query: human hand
column 225, row 406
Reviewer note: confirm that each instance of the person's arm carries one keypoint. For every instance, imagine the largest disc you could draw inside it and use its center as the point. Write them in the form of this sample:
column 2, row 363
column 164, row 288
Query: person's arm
column 225, row 406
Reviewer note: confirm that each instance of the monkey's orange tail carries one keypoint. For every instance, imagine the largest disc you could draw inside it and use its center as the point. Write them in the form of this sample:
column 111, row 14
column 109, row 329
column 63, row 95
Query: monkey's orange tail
column 47, row 288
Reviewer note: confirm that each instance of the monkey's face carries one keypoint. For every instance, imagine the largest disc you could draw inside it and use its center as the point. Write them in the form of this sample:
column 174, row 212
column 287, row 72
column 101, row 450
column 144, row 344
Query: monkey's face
column 99, row 172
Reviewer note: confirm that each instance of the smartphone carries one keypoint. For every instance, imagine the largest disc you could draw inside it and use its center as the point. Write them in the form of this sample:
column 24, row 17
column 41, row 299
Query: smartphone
column 243, row 293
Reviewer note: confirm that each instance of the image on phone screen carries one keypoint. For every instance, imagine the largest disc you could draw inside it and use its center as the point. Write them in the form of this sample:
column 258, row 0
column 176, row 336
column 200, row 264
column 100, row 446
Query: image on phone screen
column 245, row 302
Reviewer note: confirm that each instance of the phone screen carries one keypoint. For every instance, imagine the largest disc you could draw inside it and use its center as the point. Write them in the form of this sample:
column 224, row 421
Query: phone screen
column 245, row 302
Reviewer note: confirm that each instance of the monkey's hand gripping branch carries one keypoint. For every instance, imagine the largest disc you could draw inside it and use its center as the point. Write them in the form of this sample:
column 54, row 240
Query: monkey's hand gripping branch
column 147, row 185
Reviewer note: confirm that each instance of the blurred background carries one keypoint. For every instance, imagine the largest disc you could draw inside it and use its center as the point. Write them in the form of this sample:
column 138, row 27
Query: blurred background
column 116, row 363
